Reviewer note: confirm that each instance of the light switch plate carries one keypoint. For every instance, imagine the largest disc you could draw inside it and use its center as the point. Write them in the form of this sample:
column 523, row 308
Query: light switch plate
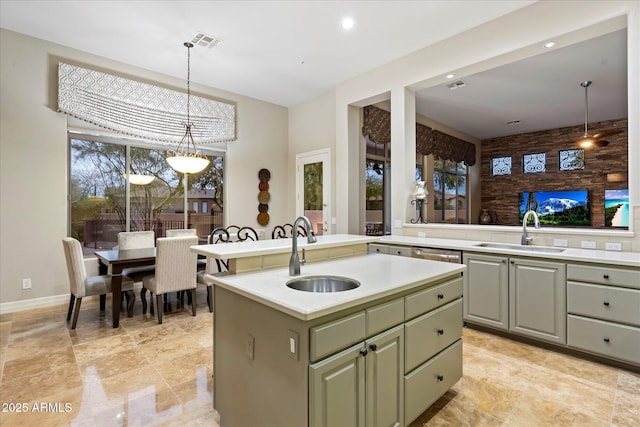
column 251, row 341
column 560, row 242
column 588, row 244
column 613, row 246
column 293, row 344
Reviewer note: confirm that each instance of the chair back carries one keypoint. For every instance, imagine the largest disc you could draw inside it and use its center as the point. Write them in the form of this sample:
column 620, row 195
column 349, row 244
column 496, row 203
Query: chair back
column 233, row 233
column 178, row 232
column 286, row 231
column 75, row 266
column 176, row 265
column 136, row 239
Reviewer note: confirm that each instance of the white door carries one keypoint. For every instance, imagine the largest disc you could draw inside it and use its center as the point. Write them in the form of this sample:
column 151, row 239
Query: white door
column 313, row 189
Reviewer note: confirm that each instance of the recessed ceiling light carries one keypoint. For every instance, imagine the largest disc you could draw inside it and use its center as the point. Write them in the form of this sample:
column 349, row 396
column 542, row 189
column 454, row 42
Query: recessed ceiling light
column 549, row 45
column 450, row 76
column 513, row 122
column 347, row 23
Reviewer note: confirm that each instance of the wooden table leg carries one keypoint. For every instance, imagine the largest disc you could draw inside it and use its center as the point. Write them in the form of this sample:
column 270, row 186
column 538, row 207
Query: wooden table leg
column 116, row 293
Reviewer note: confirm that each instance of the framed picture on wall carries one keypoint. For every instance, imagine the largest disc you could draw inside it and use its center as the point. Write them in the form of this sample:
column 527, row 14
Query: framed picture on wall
column 616, row 208
column 534, row 163
column 569, row 160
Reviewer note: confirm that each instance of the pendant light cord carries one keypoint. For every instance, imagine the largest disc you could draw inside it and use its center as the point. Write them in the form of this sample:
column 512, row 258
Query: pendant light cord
column 189, row 46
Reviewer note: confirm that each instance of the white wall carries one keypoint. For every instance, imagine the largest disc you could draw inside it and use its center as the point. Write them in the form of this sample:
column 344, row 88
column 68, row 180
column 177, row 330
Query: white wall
column 34, row 169
column 484, row 46
column 311, row 127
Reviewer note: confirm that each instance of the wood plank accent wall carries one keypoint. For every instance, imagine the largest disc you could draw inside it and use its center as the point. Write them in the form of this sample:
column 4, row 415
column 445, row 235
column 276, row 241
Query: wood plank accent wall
column 500, row 193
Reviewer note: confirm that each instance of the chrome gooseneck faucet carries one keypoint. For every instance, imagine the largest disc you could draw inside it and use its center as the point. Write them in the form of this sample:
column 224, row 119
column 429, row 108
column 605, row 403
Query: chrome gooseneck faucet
column 536, row 221
column 295, row 262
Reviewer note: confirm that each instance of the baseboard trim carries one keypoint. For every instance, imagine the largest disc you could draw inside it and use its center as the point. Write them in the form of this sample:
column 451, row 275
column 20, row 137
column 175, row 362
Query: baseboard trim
column 28, row 304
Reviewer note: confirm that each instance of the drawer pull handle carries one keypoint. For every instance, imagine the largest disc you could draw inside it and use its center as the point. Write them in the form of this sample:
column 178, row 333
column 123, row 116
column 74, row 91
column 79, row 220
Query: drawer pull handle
column 606, row 339
column 440, row 331
column 606, row 276
column 606, row 303
column 440, row 378
column 440, row 296
column 373, row 347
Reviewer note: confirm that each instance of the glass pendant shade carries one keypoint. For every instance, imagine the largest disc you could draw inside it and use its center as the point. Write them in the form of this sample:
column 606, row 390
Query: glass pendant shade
column 139, row 179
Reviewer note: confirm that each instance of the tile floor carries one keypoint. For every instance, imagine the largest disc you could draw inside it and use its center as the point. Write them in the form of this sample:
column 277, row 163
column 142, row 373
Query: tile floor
column 144, row 374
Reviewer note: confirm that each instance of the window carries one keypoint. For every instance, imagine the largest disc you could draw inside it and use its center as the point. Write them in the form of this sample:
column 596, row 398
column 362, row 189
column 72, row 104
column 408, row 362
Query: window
column 450, row 192
column 377, row 189
column 98, row 205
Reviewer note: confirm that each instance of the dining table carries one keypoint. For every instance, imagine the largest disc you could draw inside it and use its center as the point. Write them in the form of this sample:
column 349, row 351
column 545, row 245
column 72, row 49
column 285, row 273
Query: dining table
column 119, row 260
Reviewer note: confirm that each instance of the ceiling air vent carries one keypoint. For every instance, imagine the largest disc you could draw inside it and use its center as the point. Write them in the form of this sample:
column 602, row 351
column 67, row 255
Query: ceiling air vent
column 205, row 40
column 456, row 84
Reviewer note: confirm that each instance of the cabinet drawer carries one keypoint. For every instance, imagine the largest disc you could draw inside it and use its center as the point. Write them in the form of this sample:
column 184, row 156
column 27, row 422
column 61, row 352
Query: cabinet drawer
column 378, row 248
column 400, row 250
column 331, row 337
column 384, row 316
column 605, row 275
column 604, row 302
column 430, row 333
column 426, row 384
column 424, row 301
column 609, row 339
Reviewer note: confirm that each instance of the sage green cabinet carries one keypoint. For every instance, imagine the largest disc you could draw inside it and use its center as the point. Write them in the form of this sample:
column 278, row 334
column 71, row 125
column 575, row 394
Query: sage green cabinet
column 521, row 295
column 486, row 290
column 537, row 299
column 360, row 386
column 603, row 305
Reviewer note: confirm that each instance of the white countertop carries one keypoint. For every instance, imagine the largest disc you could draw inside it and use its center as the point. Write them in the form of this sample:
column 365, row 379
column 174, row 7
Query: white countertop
column 379, row 275
column 274, row 246
column 629, row 259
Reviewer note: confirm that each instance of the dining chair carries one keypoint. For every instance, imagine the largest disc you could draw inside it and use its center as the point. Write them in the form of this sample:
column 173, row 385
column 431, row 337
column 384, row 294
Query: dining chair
column 82, row 285
column 176, row 269
column 137, row 240
column 285, row 231
column 231, row 234
column 177, row 232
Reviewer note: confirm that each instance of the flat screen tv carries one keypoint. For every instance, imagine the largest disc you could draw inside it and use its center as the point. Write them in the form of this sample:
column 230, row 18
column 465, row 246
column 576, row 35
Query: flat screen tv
column 616, row 208
column 561, row 208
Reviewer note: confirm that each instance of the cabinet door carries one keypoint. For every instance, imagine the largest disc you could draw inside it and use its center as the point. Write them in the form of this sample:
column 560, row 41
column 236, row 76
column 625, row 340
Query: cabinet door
column 538, row 299
column 486, row 290
column 336, row 390
column 384, row 385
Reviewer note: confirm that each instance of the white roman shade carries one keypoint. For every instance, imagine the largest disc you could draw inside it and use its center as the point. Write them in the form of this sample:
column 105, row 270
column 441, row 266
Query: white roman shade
column 139, row 109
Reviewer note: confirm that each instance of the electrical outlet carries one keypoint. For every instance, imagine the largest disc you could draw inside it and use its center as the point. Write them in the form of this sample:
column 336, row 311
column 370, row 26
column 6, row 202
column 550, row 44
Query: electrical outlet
column 397, row 223
column 251, row 341
column 422, row 234
column 613, row 246
column 26, row 283
column 293, row 344
column 560, row 242
column 588, row 244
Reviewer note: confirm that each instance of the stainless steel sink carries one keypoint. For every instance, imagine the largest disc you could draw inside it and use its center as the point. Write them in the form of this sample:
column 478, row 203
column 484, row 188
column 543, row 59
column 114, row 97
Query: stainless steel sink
column 323, row 284
column 520, row 248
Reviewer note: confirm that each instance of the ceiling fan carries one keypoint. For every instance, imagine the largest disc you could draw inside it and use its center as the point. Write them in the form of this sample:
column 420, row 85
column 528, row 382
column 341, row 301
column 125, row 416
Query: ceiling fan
column 589, row 140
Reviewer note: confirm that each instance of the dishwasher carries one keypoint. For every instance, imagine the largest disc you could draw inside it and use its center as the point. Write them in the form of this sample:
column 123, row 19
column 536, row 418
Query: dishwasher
column 445, row 255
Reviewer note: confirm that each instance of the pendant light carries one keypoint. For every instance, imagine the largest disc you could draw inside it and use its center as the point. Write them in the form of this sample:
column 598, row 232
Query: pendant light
column 187, row 158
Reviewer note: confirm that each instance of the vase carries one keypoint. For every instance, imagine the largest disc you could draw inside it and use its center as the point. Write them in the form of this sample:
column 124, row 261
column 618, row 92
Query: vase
column 419, row 191
column 485, row 218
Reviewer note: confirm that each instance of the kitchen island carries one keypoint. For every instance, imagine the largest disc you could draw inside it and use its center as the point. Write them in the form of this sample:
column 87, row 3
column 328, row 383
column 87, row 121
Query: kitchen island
column 379, row 354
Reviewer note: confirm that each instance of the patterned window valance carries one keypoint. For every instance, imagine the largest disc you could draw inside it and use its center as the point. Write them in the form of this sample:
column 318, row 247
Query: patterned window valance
column 140, row 109
column 447, row 147
column 377, row 127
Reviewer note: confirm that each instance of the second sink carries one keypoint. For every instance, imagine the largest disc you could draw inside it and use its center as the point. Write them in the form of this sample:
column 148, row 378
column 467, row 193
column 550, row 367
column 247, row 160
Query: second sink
column 323, row 284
